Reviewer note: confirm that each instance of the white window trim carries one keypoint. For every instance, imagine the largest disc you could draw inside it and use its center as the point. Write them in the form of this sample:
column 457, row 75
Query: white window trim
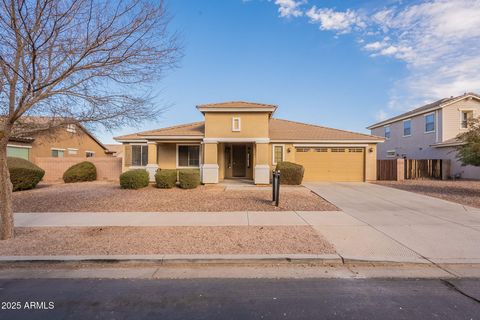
column 384, row 128
column 462, row 110
column 58, row 149
column 199, row 155
column 18, row 146
column 394, row 151
column 403, row 128
column 239, row 124
column 132, row 166
column 425, row 122
column 273, row 152
column 71, row 128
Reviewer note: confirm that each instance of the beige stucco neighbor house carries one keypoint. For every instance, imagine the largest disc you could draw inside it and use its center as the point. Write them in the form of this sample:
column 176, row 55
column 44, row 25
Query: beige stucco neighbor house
column 68, row 141
column 243, row 140
column 430, row 132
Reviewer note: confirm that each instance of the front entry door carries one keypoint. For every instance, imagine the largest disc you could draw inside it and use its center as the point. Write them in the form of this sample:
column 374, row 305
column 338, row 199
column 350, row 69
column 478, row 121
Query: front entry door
column 239, row 156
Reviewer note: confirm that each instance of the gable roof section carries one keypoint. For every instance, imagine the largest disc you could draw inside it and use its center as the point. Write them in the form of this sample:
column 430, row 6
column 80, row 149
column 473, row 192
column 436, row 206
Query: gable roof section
column 192, row 130
column 424, row 109
column 283, row 130
column 286, row 130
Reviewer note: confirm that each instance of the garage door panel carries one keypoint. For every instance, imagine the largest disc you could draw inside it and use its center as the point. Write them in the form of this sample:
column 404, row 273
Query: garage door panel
column 332, row 164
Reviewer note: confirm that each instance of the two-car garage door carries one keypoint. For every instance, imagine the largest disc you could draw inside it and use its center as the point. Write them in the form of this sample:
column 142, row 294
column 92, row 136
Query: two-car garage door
column 332, row 164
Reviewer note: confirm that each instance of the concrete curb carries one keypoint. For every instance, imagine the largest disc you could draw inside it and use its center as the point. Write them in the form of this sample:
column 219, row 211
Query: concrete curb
column 181, row 259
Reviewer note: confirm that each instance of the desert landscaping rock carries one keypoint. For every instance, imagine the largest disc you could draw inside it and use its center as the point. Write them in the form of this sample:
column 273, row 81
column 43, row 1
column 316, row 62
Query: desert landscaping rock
column 466, row 192
column 108, row 197
column 165, row 240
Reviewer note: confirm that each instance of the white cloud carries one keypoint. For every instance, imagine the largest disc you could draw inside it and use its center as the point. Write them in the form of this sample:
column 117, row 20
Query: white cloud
column 340, row 22
column 381, row 115
column 289, row 8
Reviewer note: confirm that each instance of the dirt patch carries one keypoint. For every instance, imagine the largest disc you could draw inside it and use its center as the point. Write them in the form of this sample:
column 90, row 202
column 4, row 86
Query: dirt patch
column 109, row 197
column 466, row 192
column 165, row 240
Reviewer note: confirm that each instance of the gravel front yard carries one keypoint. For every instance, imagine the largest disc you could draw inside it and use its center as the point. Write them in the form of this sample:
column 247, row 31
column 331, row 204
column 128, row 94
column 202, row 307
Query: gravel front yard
column 108, row 197
column 165, row 240
column 465, row 192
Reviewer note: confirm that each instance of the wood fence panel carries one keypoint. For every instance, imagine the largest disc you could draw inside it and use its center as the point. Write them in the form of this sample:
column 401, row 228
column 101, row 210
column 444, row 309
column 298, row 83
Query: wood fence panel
column 388, row 170
column 423, row 169
column 108, row 168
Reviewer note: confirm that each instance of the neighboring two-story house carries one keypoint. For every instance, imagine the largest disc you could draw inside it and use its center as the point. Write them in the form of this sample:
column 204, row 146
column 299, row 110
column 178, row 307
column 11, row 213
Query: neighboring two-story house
column 71, row 140
column 430, row 132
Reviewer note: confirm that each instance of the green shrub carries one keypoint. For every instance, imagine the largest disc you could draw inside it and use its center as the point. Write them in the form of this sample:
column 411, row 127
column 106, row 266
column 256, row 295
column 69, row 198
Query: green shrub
column 134, row 179
column 189, row 179
column 24, row 174
column 83, row 171
column 290, row 173
column 166, row 178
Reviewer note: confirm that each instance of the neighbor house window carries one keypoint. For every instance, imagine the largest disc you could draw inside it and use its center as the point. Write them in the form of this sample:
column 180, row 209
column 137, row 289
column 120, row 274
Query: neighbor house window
column 72, row 151
column 387, row 132
column 430, row 122
column 236, row 124
column 18, row 152
column 139, row 155
column 58, row 153
column 391, row 153
column 278, row 153
column 71, row 128
column 466, row 118
column 407, row 128
column 188, row 156
column 89, row 154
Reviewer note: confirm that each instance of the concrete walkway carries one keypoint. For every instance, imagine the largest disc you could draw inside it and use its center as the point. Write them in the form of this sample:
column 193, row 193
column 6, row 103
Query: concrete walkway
column 395, row 225
column 169, row 219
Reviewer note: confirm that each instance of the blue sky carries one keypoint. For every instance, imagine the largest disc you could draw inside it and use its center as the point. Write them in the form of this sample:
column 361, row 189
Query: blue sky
column 342, row 64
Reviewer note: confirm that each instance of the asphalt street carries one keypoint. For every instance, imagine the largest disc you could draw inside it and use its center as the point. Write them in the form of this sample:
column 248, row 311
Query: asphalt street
column 240, row 299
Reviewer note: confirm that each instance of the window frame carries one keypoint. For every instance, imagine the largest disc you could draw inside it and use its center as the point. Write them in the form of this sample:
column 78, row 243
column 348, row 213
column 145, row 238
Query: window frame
column 465, row 111
column 93, row 154
column 234, row 129
column 57, row 149
column 403, row 128
column 425, row 121
column 274, row 162
column 394, row 153
column 14, row 146
column 141, row 153
column 72, row 128
column 389, row 132
column 177, row 154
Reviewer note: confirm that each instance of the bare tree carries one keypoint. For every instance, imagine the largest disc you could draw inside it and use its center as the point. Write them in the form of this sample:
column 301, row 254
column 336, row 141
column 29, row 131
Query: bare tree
column 85, row 61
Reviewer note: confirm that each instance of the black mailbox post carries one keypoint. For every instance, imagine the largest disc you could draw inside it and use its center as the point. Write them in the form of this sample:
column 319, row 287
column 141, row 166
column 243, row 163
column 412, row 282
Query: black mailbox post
column 276, row 187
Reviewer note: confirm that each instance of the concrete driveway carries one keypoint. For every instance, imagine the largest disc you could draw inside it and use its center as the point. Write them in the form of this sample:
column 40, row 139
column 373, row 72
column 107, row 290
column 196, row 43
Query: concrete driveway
column 395, row 225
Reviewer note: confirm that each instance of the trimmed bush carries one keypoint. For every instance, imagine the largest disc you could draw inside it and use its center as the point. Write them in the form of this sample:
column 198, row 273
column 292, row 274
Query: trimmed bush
column 189, row 179
column 24, row 175
column 134, row 179
column 80, row 172
column 290, row 173
column 166, row 178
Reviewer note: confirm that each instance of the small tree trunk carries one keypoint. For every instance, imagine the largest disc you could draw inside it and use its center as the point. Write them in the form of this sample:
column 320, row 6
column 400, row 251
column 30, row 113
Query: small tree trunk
column 6, row 203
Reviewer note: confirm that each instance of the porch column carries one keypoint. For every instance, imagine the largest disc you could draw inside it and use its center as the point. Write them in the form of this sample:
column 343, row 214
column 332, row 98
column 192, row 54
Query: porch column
column 152, row 165
column 210, row 163
column 262, row 169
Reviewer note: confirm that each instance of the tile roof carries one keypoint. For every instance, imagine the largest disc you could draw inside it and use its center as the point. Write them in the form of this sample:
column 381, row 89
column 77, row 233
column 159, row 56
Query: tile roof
column 279, row 130
column 188, row 129
column 291, row 130
column 434, row 105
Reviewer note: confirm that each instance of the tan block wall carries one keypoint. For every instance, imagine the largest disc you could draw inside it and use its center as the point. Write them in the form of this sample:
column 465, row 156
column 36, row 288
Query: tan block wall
column 152, row 153
column 108, row 168
column 62, row 139
column 262, row 153
column 167, row 155
column 253, row 125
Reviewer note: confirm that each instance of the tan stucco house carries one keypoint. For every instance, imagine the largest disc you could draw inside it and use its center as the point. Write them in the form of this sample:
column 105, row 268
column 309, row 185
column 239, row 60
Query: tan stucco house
column 68, row 141
column 429, row 132
column 243, row 140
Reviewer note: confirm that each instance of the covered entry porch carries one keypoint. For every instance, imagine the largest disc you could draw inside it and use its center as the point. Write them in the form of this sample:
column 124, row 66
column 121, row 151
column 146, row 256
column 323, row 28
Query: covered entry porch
column 247, row 160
